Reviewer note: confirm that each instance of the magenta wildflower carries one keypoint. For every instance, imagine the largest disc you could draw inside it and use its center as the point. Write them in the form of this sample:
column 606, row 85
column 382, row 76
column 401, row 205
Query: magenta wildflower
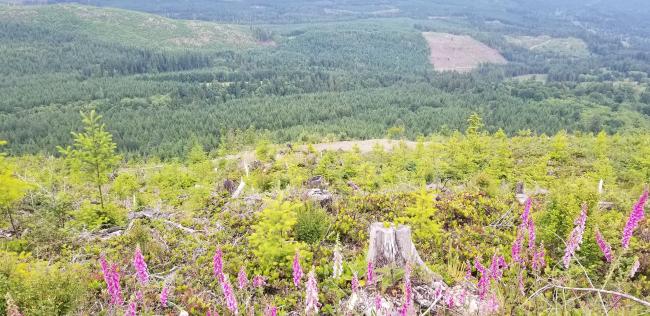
column 270, row 310
column 520, row 282
column 516, row 248
column 108, row 278
column 634, row 268
column 484, row 281
column 538, row 262
column 355, row 282
column 496, row 267
column 297, row 270
column 462, row 294
column 637, row 215
column 604, row 246
column 491, row 305
column 616, row 301
column 139, row 295
column 211, row 312
column 370, row 274
column 450, row 299
column 11, row 307
column 242, row 278
column 231, row 302
column 140, row 266
column 259, row 281
column 408, row 291
column 116, row 288
column 526, row 214
column 337, row 269
column 378, row 303
column 105, row 270
column 403, row 311
column 531, row 234
column 311, row 295
column 131, row 309
column 217, row 264
column 164, row 294
column 575, row 238
column 526, row 224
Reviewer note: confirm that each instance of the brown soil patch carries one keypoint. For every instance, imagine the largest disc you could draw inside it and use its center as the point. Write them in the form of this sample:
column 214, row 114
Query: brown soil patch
column 459, row 53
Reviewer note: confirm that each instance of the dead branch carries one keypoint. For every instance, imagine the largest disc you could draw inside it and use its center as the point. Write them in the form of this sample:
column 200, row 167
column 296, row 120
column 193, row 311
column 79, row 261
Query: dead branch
column 594, row 290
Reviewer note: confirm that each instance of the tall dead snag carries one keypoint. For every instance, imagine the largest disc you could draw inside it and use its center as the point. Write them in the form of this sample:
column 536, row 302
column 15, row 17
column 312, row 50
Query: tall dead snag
column 393, row 246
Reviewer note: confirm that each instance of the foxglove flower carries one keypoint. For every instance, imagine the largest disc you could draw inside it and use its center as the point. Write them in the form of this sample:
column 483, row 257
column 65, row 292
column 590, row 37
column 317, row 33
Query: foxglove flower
column 242, row 279
column 231, row 302
column 311, row 295
column 378, row 307
column 520, row 283
column 270, row 310
column 370, row 274
column 164, row 294
column 496, row 267
column 140, row 266
column 210, row 312
column 575, row 238
column 531, row 234
column 491, row 305
column 131, row 310
column 108, row 277
column 116, row 288
column 11, row 307
column 604, row 246
column 637, row 215
column 526, row 214
column 408, row 291
column 259, row 281
column 516, row 248
column 538, row 262
column 139, row 295
column 634, row 268
column 217, row 264
column 297, row 270
column 462, row 294
column 484, row 281
column 450, row 299
column 355, row 282
column 337, row 269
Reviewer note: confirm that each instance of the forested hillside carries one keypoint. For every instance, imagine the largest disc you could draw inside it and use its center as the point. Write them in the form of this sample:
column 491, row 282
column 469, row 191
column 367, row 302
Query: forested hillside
column 329, row 80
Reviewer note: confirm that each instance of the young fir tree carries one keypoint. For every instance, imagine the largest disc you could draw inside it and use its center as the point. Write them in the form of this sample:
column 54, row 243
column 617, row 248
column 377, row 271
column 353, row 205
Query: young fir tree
column 12, row 189
column 93, row 152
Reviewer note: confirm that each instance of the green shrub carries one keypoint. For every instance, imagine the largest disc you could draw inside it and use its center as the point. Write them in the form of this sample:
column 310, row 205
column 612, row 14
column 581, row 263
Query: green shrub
column 311, row 225
column 40, row 288
column 92, row 217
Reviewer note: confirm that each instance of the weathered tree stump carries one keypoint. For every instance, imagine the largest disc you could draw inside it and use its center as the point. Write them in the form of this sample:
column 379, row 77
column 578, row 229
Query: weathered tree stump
column 315, row 182
column 320, row 196
column 393, row 246
column 353, row 186
column 229, row 185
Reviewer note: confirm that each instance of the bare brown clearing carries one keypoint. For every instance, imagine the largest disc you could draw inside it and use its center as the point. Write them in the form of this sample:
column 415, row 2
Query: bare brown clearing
column 459, row 53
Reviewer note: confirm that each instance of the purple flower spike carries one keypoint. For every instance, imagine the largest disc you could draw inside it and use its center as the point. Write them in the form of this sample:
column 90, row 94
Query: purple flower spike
column 604, row 246
column 297, row 270
column 140, row 266
column 637, row 215
column 575, row 238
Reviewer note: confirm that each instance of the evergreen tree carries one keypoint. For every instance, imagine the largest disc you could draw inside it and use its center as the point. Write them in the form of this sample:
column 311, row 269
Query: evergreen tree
column 12, row 189
column 93, row 152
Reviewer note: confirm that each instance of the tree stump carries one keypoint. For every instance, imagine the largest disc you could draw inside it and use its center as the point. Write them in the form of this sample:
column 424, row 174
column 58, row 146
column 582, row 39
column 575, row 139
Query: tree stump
column 394, row 246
